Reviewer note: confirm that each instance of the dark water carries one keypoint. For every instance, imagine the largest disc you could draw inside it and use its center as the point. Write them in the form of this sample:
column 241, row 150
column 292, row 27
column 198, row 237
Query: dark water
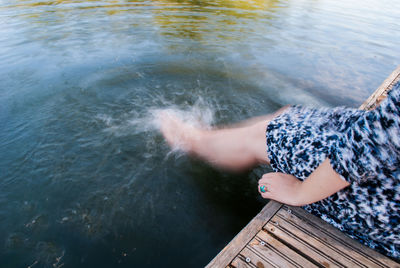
column 87, row 181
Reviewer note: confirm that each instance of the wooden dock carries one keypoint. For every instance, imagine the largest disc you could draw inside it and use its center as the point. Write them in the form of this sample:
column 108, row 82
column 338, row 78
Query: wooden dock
column 285, row 236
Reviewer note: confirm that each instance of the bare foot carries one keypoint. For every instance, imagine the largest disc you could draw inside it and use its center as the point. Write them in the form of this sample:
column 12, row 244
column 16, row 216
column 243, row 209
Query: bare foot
column 178, row 134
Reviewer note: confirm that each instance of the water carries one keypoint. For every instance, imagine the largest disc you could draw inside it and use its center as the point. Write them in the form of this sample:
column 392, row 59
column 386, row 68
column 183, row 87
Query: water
column 85, row 178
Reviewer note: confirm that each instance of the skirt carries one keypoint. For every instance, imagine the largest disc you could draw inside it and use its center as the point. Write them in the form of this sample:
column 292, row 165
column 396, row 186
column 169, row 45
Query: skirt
column 299, row 139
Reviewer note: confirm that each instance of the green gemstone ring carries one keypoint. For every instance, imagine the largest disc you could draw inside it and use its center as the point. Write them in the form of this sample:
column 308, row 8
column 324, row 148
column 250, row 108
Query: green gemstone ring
column 263, row 189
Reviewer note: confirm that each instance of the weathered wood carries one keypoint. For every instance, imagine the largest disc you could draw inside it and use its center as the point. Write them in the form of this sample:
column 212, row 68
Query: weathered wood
column 247, row 233
column 258, row 260
column 294, row 237
column 274, row 251
column 380, row 94
column 333, row 237
column 240, row 263
column 321, row 242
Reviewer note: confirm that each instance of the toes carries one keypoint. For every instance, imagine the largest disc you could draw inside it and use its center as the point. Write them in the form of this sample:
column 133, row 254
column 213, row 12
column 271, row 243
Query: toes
column 171, row 128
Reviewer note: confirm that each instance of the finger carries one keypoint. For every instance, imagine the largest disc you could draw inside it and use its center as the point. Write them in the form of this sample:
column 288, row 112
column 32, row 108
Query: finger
column 266, row 177
column 266, row 195
column 262, row 188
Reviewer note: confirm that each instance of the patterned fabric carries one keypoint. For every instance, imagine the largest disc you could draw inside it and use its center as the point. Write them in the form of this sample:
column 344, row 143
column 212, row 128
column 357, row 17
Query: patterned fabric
column 364, row 148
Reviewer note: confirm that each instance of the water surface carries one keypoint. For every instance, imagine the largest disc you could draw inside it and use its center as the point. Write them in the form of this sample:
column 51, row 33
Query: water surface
column 85, row 178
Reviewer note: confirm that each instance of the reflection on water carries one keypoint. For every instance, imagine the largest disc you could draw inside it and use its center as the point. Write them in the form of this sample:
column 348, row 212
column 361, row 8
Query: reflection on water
column 86, row 180
column 197, row 19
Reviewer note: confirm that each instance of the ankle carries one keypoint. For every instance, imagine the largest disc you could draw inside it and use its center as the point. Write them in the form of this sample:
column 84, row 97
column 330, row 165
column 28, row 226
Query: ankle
column 195, row 141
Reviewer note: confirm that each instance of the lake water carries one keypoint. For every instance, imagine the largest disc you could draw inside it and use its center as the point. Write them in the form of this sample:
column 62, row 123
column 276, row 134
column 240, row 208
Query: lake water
column 85, row 178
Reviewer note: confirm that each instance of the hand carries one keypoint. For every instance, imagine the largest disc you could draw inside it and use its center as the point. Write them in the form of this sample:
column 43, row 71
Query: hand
column 281, row 187
column 287, row 189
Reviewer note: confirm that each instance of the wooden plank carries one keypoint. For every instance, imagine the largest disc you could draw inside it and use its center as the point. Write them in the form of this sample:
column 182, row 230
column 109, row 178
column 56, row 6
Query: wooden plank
column 356, row 250
column 238, row 262
column 266, row 250
column 284, row 250
column 240, row 240
column 322, row 242
column 254, row 259
column 380, row 94
column 292, row 236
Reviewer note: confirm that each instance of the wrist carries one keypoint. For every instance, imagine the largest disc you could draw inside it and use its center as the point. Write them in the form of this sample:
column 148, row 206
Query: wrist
column 296, row 198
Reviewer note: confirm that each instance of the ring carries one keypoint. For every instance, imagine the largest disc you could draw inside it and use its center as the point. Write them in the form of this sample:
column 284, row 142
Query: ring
column 263, row 188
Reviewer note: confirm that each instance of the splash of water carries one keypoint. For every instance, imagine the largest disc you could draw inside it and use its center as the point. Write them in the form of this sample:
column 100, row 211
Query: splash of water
column 200, row 114
column 145, row 123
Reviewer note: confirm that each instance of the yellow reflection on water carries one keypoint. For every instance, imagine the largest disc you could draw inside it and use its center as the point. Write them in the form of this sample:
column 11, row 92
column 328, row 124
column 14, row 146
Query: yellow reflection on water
column 239, row 4
column 193, row 19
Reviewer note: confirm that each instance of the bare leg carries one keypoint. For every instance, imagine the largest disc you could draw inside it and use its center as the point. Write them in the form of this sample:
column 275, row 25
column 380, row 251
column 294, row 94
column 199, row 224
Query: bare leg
column 236, row 148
